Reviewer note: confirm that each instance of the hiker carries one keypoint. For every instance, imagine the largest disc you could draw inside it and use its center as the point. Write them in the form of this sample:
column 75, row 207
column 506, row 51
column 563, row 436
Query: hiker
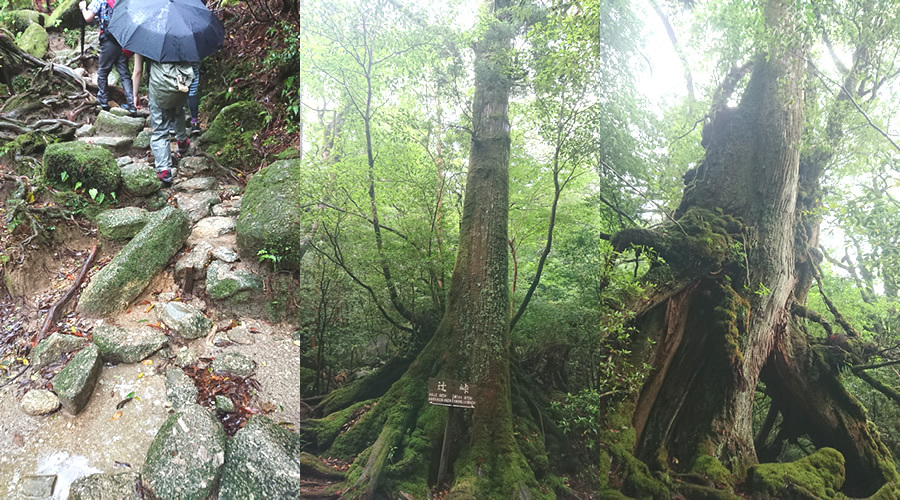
column 194, row 100
column 167, row 87
column 110, row 53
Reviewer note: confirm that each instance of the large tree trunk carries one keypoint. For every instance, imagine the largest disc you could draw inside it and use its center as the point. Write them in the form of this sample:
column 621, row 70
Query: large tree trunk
column 398, row 440
column 741, row 246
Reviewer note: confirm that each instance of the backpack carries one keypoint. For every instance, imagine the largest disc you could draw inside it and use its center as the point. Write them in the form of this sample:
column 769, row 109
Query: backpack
column 169, row 83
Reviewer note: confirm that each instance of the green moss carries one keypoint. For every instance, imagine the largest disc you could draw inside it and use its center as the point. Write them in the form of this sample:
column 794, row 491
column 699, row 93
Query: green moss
column 230, row 136
column 323, row 431
column 820, row 475
column 66, row 163
column 713, row 470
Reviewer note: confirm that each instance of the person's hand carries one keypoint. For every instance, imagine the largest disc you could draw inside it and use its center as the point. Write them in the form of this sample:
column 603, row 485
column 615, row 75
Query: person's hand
column 137, row 101
column 82, row 5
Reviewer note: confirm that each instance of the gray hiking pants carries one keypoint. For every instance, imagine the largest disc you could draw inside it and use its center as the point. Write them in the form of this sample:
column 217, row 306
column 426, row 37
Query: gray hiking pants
column 111, row 55
column 162, row 120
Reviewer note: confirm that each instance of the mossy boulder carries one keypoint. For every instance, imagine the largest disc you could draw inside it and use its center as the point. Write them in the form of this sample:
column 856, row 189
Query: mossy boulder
column 272, row 217
column 261, row 461
column 34, row 41
column 819, row 475
column 121, row 223
column 30, row 144
column 54, row 346
column 66, row 163
column 75, row 383
column 65, row 15
column 114, row 125
column 186, row 457
column 187, row 321
column 123, row 279
column 236, row 285
column 180, row 389
column 230, row 135
column 19, row 20
column 120, row 345
column 123, row 486
column 139, row 179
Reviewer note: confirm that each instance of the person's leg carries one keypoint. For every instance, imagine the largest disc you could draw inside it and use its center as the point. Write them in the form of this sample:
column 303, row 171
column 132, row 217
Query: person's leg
column 109, row 51
column 125, row 76
column 194, row 99
column 159, row 140
column 181, row 130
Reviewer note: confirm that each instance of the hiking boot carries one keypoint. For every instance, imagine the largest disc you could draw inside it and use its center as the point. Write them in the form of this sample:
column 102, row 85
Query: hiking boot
column 130, row 108
column 104, row 106
column 165, row 176
column 183, row 146
column 195, row 127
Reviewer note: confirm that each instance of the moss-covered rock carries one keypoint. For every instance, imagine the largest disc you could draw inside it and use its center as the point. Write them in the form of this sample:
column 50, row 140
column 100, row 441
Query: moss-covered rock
column 75, row 383
column 187, row 321
column 819, row 475
column 51, row 348
column 66, row 15
column 237, row 285
column 261, row 461
column 123, row 279
column 121, row 223
column 34, row 41
column 120, row 345
column 123, row 486
column 234, row 364
column 272, row 216
column 230, row 135
column 185, row 459
column 139, row 179
column 66, row 163
column 29, row 144
column 18, row 21
column 114, row 125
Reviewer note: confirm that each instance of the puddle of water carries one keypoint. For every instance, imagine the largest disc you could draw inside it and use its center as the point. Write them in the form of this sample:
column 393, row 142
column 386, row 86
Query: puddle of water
column 67, row 468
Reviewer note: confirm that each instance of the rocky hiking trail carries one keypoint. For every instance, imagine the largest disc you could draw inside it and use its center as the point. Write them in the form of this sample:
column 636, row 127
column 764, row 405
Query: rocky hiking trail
column 162, row 375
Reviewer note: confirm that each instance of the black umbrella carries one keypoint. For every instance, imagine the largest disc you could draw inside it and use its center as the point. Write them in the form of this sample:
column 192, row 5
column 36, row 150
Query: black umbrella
column 167, row 30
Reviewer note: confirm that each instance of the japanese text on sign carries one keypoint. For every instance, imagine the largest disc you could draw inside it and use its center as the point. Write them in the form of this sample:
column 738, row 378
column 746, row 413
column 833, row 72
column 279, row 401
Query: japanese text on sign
column 446, row 392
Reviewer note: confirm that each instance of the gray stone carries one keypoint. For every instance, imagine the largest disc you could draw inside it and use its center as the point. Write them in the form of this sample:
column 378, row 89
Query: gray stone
column 85, row 130
column 124, row 160
column 119, row 111
column 109, row 143
column 140, row 179
column 123, row 279
column 240, row 335
column 274, row 214
column 122, row 486
column 142, row 141
column 75, row 383
column 185, row 459
column 234, row 191
column 197, row 184
column 34, row 40
column 54, row 346
column 235, row 364
column 197, row 205
column 223, row 283
column 180, row 389
column 186, row 356
column 36, row 487
column 198, row 258
column 121, row 223
column 230, row 208
column 261, row 462
column 167, row 296
column 112, row 125
column 224, row 404
column 192, row 165
column 185, row 320
column 66, row 15
column 225, row 254
column 39, row 402
column 158, row 200
column 120, row 345
column 210, row 228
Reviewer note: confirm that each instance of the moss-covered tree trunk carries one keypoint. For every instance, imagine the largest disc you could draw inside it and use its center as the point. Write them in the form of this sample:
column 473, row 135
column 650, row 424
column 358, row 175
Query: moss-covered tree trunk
column 396, row 441
column 717, row 332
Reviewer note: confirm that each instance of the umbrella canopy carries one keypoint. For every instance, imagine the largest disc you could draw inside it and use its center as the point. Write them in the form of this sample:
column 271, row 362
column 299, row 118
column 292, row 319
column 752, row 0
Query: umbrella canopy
column 167, row 30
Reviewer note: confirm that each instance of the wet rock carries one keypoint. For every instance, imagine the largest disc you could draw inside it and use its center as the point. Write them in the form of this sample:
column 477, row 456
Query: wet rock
column 140, row 179
column 75, row 383
column 112, row 144
column 54, row 346
column 93, row 166
column 230, row 208
column 112, row 125
column 39, row 402
column 34, row 40
column 273, row 214
column 36, row 488
column 260, row 463
column 197, row 184
column 133, row 345
column 224, row 404
column 234, row 364
column 124, row 160
column 222, row 282
column 210, row 228
column 121, row 223
column 230, row 135
column 192, row 165
column 180, row 389
column 123, row 486
column 225, row 254
column 19, row 20
column 85, row 130
column 240, row 335
column 197, row 258
column 142, row 141
column 186, row 456
column 197, row 205
column 185, row 320
column 123, row 279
